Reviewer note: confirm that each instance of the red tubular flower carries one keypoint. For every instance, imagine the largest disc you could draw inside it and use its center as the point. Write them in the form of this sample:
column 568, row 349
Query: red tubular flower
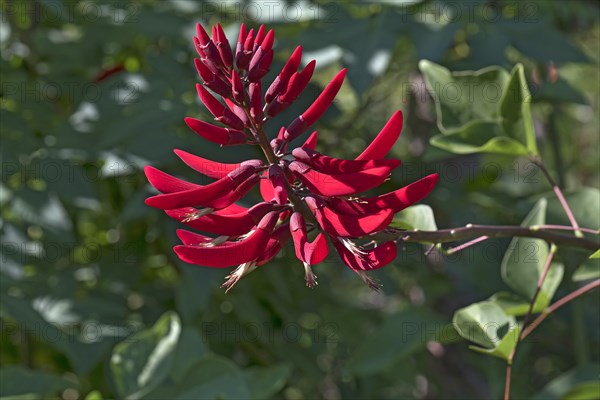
column 218, row 109
column 216, row 134
column 330, row 165
column 339, row 184
column 255, row 101
column 236, row 224
column 303, row 190
column 343, row 225
column 294, row 87
column 277, row 179
column 206, row 47
column 197, row 195
column 283, row 78
column 384, row 140
column 317, row 109
column 212, row 80
column 310, row 253
column 213, row 169
column 223, row 46
column 230, row 253
column 396, row 201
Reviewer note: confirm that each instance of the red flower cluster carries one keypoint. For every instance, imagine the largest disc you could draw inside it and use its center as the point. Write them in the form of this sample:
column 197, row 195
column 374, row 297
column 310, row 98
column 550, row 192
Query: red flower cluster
column 307, row 196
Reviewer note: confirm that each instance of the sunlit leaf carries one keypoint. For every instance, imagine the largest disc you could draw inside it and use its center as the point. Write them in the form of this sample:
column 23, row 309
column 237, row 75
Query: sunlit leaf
column 484, row 323
column 419, row 217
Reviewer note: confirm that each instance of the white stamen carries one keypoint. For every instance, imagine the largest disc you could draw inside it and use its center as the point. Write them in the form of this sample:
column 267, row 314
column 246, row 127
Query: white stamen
column 353, row 247
column 309, row 276
column 237, row 274
column 197, row 214
column 371, row 282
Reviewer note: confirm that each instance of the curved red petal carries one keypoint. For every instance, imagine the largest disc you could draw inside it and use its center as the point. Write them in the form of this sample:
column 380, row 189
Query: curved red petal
column 191, row 238
column 339, row 184
column 317, row 250
column 231, row 253
column 215, row 134
column 384, row 141
column 278, row 239
column 331, row 165
column 316, row 109
column 166, row 183
column 395, row 201
column 375, row 258
column 343, row 225
column 235, row 195
column 213, row 169
column 205, row 196
column 227, row 225
column 218, row 109
column 311, row 142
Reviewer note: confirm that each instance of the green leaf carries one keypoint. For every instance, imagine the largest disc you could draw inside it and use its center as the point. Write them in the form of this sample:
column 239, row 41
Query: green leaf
column 83, row 355
column 462, row 97
column 94, row 395
column 193, row 293
column 479, row 137
column 515, row 110
column 585, row 203
column 418, row 217
column 559, row 92
column 584, row 391
column 510, row 303
column 484, row 323
column 505, row 347
column 144, row 360
column 525, row 258
column 595, row 255
column 569, row 382
column 533, row 41
column 263, row 383
column 190, row 349
column 19, row 381
column 213, row 377
column 590, row 269
column 400, row 336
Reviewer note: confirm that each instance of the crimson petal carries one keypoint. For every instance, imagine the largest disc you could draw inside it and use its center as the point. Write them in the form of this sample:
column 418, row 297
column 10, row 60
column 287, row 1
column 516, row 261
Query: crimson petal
column 340, row 184
column 384, row 140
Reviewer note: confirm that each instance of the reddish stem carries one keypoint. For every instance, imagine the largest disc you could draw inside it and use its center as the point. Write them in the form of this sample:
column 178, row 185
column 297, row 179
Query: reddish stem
column 555, row 306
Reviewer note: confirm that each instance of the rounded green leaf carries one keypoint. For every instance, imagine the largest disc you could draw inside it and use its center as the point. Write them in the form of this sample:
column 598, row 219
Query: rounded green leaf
column 525, row 258
column 417, row 217
column 143, row 361
column 461, row 97
column 483, row 323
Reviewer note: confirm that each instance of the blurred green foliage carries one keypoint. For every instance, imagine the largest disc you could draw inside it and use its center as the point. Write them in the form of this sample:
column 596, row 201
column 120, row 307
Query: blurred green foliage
column 95, row 305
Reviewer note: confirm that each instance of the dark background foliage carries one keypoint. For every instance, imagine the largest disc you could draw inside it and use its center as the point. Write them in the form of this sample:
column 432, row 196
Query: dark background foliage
column 85, row 264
